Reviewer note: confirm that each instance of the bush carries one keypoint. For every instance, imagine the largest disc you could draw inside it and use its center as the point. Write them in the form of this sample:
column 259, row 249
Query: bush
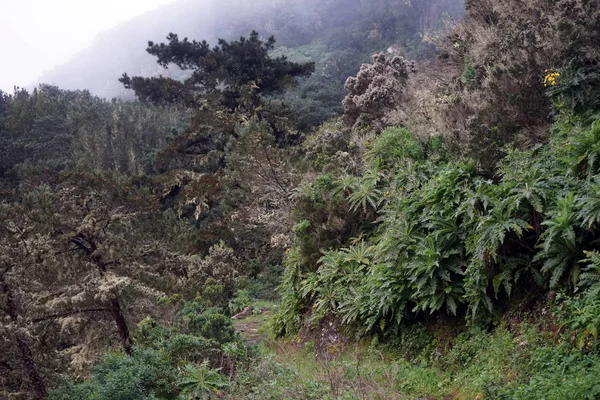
column 209, row 323
column 469, row 73
column 558, row 373
column 395, row 145
column 144, row 375
column 445, row 239
column 377, row 88
column 239, row 301
column 165, row 361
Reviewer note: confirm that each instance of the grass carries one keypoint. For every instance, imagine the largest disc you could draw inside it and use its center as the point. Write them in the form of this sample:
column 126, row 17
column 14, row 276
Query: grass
column 254, row 328
column 291, row 369
column 521, row 361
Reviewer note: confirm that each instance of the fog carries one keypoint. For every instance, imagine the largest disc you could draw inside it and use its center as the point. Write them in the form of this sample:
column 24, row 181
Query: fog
column 101, row 39
column 38, row 35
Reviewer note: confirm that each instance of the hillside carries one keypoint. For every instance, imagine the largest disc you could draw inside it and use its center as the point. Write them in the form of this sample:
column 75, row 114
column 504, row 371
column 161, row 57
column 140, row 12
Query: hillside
column 365, row 206
column 338, row 35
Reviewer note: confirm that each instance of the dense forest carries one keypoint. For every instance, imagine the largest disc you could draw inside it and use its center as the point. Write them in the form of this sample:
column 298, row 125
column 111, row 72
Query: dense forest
column 384, row 199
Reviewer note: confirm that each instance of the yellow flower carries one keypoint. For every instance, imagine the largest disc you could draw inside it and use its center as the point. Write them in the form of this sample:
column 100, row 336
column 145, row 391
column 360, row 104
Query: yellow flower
column 550, row 78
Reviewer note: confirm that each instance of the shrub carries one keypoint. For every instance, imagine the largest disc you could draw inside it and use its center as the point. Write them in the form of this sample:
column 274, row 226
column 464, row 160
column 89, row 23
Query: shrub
column 209, row 323
column 469, row 72
column 144, row 375
column 445, row 239
column 395, row 145
column 167, row 362
column 239, row 301
column 376, row 89
column 558, row 373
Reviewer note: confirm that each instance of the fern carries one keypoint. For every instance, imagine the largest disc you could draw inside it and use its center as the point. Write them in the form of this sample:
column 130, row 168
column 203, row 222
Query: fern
column 591, row 274
column 447, row 239
column 433, row 276
column 589, row 206
column 365, row 194
column 345, row 185
column 560, row 250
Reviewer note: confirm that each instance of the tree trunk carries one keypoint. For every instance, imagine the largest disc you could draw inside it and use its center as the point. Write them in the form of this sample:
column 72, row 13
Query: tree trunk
column 34, row 376
column 89, row 247
column 115, row 308
column 33, row 373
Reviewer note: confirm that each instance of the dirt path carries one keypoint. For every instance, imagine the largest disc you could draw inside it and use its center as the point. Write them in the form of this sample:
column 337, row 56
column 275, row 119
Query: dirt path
column 249, row 327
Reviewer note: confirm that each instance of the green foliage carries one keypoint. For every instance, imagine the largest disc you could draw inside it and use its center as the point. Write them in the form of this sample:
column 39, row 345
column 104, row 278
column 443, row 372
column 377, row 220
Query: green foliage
column 581, row 316
column 576, row 89
column 561, row 251
column 581, row 313
column 448, row 240
column 469, row 73
column 559, row 372
column 522, row 362
column 365, row 194
column 329, row 148
column 287, row 321
column 264, row 285
column 402, row 234
column 144, row 375
column 396, row 144
column 302, row 227
column 414, row 343
column 213, row 294
column 168, row 362
column 591, row 276
column 269, row 379
column 232, row 74
column 67, row 128
column 239, row 301
column 582, row 151
column 200, row 382
column 209, row 323
column 321, row 210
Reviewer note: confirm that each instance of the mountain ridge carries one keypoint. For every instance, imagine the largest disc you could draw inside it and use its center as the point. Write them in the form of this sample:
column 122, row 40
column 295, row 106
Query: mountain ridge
column 122, row 48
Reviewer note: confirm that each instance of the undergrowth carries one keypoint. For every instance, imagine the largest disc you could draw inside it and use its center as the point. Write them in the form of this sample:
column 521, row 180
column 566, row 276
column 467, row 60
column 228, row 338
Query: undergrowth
column 421, row 233
column 531, row 359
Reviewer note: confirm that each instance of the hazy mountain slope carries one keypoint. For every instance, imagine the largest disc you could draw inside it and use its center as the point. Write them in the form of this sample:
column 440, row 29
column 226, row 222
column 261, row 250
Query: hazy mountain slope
column 123, row 49
column 360, row 26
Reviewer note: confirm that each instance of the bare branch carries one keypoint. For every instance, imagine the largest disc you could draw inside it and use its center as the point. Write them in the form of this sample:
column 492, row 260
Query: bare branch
column 67, row 314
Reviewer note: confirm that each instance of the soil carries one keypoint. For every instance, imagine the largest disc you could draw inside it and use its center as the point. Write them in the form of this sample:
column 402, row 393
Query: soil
column 249, row 327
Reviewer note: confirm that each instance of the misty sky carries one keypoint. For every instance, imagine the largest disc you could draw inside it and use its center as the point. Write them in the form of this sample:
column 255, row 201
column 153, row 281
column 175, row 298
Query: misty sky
column 36, row 35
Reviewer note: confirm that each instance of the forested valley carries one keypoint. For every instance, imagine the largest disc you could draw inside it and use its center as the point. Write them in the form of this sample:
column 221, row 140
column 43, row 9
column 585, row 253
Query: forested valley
column 383, row 199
